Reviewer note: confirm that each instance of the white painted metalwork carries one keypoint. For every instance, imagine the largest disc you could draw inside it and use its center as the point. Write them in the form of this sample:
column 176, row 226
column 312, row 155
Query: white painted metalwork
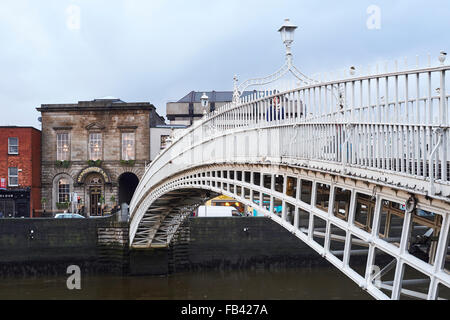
column 380, row 136
column 287, row 35
column 240, row 182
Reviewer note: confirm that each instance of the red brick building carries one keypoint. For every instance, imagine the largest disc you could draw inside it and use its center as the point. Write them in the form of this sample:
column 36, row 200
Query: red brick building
column 20, row 171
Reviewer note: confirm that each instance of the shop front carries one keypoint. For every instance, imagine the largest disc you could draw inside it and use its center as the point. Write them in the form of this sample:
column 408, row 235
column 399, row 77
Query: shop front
column 15, row 203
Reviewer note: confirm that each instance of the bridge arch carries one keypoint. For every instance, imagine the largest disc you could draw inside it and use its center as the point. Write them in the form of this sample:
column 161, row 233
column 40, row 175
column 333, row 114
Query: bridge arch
column 312, row 210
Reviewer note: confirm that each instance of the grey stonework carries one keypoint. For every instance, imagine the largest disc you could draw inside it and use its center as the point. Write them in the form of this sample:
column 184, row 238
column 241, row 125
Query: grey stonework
column 110, row 118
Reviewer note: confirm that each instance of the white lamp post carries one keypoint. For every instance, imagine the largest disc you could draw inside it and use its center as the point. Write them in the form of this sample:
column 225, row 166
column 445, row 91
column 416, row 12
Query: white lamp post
column 204, row 101
column 287, row 31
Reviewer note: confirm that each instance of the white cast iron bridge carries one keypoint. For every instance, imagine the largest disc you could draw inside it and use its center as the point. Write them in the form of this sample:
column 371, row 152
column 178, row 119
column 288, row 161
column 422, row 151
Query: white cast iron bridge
column 360, row 166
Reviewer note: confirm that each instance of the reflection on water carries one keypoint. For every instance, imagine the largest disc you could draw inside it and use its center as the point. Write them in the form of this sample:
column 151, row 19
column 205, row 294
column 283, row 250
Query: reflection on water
column 289, row 284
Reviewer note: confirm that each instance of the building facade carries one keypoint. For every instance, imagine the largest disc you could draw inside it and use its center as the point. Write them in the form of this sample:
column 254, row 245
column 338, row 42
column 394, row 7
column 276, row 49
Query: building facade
column 94, row 153
column 20, row 171
column 160, row 137
column 189, row 109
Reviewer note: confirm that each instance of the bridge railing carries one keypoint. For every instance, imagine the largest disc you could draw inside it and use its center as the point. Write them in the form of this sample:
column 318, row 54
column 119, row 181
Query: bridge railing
column 371, row 99
column 394, row 121
column 387, row 123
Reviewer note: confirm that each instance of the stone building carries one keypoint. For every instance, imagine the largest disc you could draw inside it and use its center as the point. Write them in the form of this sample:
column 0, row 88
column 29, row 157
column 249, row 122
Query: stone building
column 94, row 153
column 159, row 137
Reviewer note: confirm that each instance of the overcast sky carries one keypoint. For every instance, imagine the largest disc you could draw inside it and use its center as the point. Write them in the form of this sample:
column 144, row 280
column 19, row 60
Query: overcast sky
column 158, row 51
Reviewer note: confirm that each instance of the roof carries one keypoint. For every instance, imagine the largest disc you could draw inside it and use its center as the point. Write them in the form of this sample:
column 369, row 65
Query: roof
column 19, row 127
column 214, row 96
column 102, row 104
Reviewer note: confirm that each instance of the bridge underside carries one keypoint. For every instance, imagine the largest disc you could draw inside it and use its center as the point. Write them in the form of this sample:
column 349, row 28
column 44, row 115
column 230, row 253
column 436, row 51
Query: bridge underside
column 165, row 215
column 345, row 219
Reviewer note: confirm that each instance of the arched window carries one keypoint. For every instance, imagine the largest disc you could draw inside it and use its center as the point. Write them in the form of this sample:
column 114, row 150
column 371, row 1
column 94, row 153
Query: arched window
column 63, row 190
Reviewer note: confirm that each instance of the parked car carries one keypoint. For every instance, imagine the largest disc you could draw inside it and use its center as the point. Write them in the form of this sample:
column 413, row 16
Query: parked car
column 68, row 216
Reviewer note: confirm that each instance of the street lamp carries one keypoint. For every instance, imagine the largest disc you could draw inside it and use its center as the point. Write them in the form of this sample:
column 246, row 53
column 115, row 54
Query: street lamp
column 287, row 31
column 204, row 101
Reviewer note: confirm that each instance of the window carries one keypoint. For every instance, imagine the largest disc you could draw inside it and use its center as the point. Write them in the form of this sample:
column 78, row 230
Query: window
column 164, row 139
column 63, row 191
column 62, row 147
column 128, row 146
column 13, row 145
column 13, row 177
column 95, row 146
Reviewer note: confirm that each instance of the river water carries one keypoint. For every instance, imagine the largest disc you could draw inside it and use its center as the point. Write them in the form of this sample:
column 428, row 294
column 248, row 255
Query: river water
column 288, row 284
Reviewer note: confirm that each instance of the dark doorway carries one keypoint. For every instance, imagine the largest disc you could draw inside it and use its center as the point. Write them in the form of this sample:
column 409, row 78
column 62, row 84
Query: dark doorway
column 23, row 210
column 95, row 201
column 127, row 185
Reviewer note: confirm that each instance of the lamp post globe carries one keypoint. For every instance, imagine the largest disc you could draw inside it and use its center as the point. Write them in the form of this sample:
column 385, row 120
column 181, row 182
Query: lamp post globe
column 204, row 101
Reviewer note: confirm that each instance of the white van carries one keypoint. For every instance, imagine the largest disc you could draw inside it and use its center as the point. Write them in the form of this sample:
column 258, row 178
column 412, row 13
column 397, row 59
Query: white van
column 216, row 211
